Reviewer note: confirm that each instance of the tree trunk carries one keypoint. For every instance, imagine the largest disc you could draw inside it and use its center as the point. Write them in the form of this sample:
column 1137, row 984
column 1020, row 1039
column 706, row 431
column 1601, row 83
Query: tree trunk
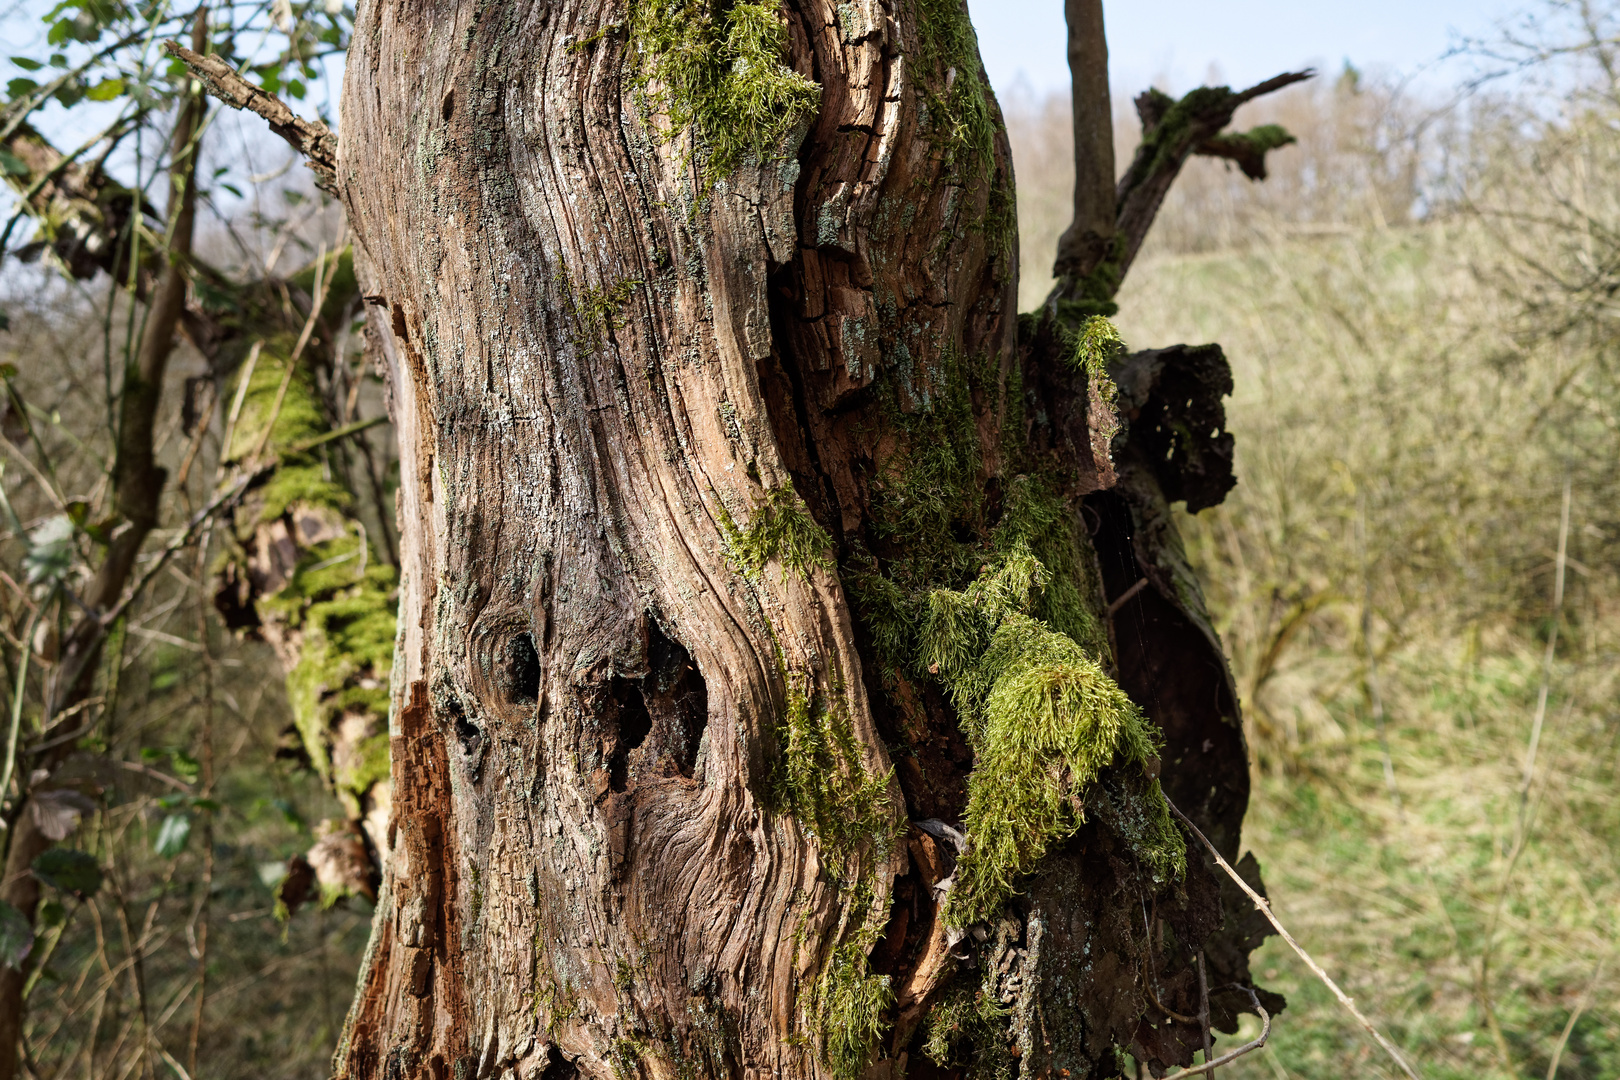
column 736, row 514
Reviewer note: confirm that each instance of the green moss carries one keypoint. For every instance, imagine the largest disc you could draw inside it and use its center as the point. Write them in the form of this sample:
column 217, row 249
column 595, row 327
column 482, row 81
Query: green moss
column 966, row 1017
column 718, row 70
column 339, row 600
column 823, row 780
column 1043, row 719
column 957, row 91
column 780, row 530
column 1093, row 295
column 597, row 310
column 1257, row 141
column 371, row 768
column 338, row 283
column 1037, row 518
column 850, row 1005
column 1096, row 344
column 625, row 1054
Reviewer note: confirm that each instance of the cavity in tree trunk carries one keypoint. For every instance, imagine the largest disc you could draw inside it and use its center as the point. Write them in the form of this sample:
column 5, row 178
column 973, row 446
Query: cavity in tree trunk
column 753, row 550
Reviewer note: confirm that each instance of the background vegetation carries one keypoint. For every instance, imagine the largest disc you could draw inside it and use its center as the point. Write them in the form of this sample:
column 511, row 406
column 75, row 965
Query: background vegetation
column 1417, row 578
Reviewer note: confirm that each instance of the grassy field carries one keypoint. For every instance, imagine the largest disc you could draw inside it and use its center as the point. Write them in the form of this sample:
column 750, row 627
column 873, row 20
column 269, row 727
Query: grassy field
column 1416, row 581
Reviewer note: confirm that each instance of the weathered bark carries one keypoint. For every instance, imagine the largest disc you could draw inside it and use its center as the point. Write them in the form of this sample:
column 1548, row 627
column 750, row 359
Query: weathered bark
column 638, row 397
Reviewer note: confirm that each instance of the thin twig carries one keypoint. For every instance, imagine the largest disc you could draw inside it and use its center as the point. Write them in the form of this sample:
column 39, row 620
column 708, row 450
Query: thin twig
column 1233, row 1055
column 17, row 701
column 1265, row 909
column 1569, row 1028
column 1549, row 653
column 225, row 499
column 317, row 301
column 1203, row 1015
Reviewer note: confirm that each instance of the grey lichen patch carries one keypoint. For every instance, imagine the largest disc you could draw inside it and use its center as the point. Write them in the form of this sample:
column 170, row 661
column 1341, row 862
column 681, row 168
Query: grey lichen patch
column 718, row 70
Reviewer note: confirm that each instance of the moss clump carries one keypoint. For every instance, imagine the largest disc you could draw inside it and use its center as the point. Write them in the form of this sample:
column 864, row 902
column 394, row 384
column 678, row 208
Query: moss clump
column 1256, row 141
column 850, row 1005
column 823, row 781
column 966, row 1016
column 718, row 70
column 781, row 529
column 597, row 311
column 1043, row 719
column 958, row 102
column 1096, row 344
column 339, row 600
column 1093, row 295
column 1163, row 141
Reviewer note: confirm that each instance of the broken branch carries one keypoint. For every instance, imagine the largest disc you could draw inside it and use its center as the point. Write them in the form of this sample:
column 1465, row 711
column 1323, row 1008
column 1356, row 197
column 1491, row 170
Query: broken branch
column 310, row 138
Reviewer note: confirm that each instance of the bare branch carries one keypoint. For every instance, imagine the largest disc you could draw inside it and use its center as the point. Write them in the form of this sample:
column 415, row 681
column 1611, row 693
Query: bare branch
column 1172, row 131
column 1089, row 237
column 310, row 138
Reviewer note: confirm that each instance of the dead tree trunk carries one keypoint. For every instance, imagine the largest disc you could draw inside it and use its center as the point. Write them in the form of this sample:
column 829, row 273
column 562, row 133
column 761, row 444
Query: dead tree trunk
column 750, row 555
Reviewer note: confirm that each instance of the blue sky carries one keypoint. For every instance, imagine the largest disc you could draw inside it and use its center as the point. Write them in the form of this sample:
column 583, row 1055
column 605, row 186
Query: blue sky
column 1246, row 40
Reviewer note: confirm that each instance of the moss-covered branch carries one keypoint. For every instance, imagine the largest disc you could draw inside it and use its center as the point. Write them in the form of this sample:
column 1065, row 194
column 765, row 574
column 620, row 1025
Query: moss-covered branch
column 1173, row 130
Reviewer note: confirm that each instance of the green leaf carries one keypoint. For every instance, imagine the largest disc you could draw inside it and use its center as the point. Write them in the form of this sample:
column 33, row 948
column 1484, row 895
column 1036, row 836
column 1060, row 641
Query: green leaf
column 186, row 766
column 296, row 88
column 20, row 87
column 233, row 189
column 16, row 937
column 61, row 30
column 105, row 90
column 69, row 870
column 11, row 164
column 173, row 835
column 52, row 913
column 26, row 64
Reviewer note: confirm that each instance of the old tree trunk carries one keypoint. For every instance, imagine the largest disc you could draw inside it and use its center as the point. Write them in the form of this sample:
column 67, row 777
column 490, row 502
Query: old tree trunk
column 744, row 527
